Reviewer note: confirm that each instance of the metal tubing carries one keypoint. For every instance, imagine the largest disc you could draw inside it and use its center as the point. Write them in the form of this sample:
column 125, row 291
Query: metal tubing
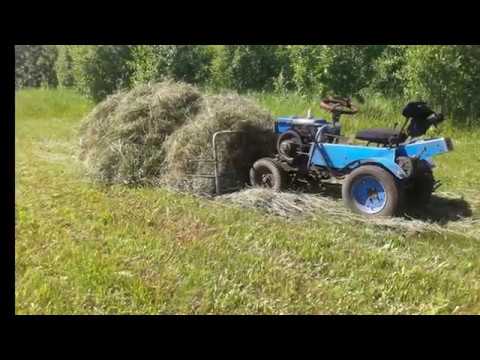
column 215, row 157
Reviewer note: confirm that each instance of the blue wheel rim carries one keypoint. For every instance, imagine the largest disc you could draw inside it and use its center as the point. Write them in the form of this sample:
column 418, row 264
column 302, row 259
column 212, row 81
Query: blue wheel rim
column 369, row 195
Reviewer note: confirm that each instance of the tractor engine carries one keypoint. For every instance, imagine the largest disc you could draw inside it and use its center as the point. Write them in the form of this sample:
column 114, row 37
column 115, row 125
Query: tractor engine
column 296, row 134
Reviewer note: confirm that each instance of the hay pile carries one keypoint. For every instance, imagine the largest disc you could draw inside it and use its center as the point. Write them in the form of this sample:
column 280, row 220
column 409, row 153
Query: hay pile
column 121, row 139
column 151, row 134
column 237, row 152
column 289, row 205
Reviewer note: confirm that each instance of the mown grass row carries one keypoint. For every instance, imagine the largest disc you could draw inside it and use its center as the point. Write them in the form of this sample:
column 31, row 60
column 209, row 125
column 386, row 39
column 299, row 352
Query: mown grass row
column 87, row 249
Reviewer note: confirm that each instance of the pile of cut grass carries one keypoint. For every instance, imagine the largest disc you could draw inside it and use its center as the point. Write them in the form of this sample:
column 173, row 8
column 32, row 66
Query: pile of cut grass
column 122, row 138
column 155, row 135
column 447, row 213
column 252, row 139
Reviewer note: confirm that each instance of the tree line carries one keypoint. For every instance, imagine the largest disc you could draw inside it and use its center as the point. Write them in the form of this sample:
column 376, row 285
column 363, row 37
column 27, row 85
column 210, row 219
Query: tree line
column 447, row 76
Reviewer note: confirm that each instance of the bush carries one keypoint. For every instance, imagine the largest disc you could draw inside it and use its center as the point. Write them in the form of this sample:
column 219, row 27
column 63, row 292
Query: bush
column 446, row 76
column 64, row 66
column 388, row 78
column 283, row 81
column 250, row 67
column 34, row 65
column 100, row 70
column 187, row 63
column 341, row 70
column 306, row 73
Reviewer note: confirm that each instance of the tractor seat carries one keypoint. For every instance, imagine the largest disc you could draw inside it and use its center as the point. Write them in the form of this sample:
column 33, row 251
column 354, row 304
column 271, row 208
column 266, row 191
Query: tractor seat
column 381, row 136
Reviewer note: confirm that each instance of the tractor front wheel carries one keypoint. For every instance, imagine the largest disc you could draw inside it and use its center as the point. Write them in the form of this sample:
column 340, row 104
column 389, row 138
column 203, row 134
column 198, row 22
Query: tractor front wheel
column 371, row 191
column 266, row 173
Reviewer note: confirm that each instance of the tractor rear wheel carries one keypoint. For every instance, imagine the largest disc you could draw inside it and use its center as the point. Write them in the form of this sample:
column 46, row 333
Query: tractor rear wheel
column 371, row 191
column 421, row 189
column 266, row 173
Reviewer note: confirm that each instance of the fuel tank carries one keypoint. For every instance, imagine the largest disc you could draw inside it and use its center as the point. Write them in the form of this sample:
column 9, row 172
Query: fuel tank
column 284, row 124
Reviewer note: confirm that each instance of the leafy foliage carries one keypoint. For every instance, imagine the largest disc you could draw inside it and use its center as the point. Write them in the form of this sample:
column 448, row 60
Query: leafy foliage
column 447, row 76
column 342, row 70
column 188, row 63
column 100, row 70
column 64, row 66
column 389, row 79
column 250, row 67
column 34, row 66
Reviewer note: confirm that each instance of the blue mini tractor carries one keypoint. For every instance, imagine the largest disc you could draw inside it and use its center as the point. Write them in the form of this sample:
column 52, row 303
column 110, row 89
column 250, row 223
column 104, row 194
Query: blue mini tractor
column 389, row 169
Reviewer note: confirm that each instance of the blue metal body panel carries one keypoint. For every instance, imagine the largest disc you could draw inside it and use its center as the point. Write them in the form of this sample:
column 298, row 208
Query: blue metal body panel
column 424, row 149
column 340, row 156
column 348, row 157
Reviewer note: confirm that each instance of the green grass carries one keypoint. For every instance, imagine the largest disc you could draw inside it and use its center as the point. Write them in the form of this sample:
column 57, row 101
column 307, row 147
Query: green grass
column 86, row 249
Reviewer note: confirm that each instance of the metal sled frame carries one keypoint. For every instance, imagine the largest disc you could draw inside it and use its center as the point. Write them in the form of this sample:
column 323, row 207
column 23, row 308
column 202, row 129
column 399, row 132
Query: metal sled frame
column 215, row 160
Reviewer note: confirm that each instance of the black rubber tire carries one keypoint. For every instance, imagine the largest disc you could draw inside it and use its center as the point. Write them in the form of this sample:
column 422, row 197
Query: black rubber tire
column 420, row 192
column 289, row 135
column 393, row 204
column 268, row 167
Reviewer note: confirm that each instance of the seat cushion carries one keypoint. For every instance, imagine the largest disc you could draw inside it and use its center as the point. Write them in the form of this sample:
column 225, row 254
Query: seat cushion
column 381, row 136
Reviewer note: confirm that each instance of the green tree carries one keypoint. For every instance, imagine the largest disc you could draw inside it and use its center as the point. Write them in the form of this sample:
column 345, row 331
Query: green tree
column 389, row 67
column 64, row 66
column 341, row 70
column 447, row 76
column 100, row 70
column 34, row 65
column 306, row 72
column 250, row 67
column 188, row 63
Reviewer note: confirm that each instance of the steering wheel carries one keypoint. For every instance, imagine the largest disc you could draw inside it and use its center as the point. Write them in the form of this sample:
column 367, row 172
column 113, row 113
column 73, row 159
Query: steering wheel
column 339, row 106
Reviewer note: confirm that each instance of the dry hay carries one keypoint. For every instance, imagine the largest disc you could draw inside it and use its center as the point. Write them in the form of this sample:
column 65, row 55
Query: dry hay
column 237, row 151
column 121, row 139
column 151, row 134
column 295, row 205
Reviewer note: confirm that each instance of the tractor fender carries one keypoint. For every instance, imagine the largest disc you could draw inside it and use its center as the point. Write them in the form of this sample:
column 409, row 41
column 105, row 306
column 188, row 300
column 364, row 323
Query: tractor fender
column 387, row 164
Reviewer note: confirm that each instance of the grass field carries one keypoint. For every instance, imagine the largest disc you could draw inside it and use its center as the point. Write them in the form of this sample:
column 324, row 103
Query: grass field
column 86, row 249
